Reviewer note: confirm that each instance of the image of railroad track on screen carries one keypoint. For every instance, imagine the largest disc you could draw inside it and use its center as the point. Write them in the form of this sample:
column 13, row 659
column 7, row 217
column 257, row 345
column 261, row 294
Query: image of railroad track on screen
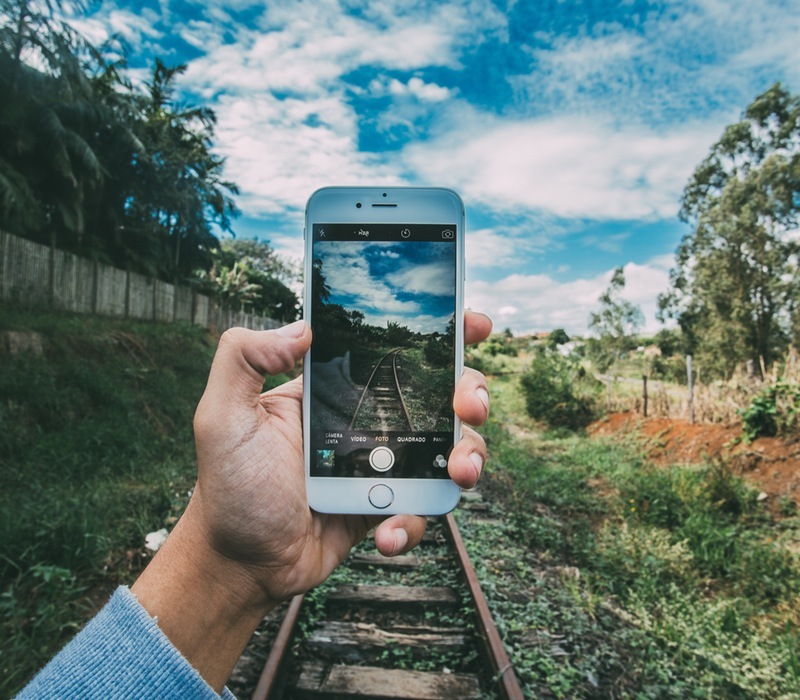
column 384, row 335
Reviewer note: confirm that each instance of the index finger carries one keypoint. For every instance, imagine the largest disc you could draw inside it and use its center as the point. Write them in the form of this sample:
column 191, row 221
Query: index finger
column 476, row 327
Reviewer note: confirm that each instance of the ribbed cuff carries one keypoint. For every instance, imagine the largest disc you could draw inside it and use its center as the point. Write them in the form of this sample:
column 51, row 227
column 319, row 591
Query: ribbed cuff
column 121, row 653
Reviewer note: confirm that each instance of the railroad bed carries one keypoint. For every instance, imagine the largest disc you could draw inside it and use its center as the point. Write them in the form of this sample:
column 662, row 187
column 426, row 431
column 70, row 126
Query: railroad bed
column 414, row 627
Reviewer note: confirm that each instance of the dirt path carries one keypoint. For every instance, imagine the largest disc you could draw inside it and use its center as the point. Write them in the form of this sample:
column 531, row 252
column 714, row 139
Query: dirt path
column 771, row 464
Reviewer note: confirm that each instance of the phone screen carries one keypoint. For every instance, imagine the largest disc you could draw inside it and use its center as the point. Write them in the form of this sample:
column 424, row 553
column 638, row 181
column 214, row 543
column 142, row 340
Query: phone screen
column 383, row 310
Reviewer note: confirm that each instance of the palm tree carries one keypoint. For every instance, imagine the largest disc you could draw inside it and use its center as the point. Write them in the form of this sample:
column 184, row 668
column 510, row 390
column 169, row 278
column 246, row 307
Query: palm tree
column 186, row 191
column 46, row 163
column 86, row 161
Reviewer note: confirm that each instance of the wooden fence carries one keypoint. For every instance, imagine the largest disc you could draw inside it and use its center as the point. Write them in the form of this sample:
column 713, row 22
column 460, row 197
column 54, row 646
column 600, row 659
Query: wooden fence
column 32, row 273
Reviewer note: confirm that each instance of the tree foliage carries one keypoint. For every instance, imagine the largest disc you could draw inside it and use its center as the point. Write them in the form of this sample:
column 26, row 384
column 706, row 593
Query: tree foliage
column 248, row 274
column 95, row 166
column 735, row 289
column 558, row 391
column 616, row 324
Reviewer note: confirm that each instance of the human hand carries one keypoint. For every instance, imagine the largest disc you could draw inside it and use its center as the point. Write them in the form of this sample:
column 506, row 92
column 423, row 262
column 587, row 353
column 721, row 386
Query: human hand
column 251, row 485
column 248, row 538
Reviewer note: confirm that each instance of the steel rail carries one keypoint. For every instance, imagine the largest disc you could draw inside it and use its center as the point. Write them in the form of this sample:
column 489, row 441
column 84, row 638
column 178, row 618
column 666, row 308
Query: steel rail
column 391, row 354
column 503, row 677
column 268, row 681
column 400, row 391
column 503, row 672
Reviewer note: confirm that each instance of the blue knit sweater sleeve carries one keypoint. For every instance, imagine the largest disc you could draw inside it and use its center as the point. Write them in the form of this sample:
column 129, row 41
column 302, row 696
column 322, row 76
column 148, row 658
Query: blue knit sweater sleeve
column 121, row 653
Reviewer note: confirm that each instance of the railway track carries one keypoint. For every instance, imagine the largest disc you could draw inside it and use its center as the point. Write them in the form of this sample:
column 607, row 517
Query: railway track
column 381, row 405
column 414, row 627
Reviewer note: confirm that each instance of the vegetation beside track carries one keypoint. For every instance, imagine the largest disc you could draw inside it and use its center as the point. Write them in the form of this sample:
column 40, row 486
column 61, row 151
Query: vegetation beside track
column 608, row 576
column 612, row 577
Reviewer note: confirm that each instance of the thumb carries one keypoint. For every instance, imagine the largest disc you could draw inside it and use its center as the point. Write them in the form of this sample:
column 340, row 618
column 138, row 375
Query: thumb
column 244, row 357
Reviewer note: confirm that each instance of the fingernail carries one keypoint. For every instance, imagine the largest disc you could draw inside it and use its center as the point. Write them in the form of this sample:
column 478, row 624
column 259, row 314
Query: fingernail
column 400, row 540
column 483, row 395
column 293, row 330
column 477, row 460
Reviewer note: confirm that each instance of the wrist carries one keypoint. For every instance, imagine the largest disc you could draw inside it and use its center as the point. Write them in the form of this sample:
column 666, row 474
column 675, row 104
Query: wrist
column 207, row 606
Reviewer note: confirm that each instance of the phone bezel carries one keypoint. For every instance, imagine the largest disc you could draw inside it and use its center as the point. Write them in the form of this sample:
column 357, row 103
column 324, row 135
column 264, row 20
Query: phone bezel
column 420, row 205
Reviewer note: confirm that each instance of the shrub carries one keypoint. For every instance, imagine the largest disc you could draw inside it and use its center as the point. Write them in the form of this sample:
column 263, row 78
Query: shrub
column 558, row 391
column 774, row 411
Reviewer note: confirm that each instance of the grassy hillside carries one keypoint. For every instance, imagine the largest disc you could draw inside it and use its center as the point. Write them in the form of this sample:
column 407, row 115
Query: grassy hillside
column 96, row 451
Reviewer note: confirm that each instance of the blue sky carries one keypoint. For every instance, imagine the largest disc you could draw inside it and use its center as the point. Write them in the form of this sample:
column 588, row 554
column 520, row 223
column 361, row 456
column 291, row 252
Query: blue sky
column 569, row 128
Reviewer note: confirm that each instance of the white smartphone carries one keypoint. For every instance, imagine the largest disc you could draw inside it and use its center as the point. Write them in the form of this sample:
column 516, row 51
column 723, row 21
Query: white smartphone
column 384, row 271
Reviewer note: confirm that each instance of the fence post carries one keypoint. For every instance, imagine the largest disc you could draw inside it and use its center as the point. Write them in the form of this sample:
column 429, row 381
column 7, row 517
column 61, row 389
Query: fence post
column 52, row 261
column 4, row 243
column 690, row 380
column 128, row 290
column 95, row 285
column 644, row 395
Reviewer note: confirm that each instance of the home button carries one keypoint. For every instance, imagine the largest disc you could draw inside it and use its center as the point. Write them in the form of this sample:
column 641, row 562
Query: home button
column 381, row 496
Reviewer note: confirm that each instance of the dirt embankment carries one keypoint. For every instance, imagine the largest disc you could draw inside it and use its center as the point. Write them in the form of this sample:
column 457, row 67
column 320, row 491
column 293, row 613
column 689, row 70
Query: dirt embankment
column 770, row 464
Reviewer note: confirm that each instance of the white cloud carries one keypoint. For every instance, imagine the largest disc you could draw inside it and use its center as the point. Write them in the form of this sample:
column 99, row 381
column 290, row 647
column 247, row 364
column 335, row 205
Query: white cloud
column 681, row 55
column 279, row 159
column 569, row 167
column 542, row 303
column 434, row 278
column 285, row 123
column 134, row 28
column 415, row 88
column 506, row 246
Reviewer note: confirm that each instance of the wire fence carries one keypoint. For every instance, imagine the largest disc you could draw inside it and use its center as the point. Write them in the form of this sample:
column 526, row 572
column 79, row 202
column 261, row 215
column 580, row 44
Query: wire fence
column 720, row 401
column 32, row 273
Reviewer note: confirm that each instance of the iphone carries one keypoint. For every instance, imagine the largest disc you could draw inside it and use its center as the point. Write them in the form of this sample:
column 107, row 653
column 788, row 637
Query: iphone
column 384, row 271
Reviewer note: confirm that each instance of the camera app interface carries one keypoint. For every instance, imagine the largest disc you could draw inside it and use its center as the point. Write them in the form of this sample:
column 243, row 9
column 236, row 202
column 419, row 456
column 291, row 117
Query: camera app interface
column 383, row 355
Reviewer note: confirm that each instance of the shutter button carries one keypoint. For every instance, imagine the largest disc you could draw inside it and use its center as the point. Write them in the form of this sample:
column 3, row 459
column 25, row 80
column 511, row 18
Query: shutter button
column 381, row 459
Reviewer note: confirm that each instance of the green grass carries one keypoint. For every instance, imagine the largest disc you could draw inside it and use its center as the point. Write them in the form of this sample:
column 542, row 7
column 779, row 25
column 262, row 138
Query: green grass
column 96, row 450
column 633, row 580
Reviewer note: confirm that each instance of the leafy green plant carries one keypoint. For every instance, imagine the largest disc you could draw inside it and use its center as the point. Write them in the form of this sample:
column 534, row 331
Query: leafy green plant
column 759, row 418
column 558, row 391
column 774, row 411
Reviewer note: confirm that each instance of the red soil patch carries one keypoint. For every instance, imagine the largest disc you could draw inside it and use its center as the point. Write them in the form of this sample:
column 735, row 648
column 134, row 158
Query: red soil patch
column 771, row 464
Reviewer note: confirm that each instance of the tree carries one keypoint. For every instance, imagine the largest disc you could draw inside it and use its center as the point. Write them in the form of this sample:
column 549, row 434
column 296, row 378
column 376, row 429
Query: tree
column 557, row 337
column 266, row 273
column 180, row 192
column 96, row 167
column 558, row 391
column 735, row 289
column 231, row 285
column 48, row 166
column 615, row 324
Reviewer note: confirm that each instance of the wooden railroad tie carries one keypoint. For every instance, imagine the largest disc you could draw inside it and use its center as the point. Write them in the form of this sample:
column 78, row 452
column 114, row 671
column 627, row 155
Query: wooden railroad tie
column 318, row 681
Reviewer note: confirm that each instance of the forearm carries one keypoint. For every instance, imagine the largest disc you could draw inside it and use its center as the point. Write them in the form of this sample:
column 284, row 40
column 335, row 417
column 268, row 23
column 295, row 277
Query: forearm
column 202, row 602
